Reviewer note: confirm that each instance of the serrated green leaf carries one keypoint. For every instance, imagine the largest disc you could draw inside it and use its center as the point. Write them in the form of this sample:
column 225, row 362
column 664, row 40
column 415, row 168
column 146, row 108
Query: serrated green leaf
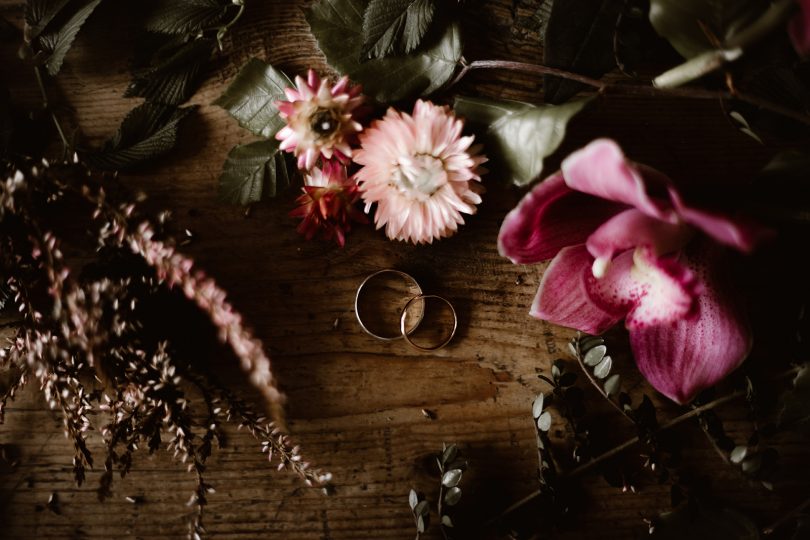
column 251, row 97
column 38, row 13
column 174, row 72
column 147, row 132
column 520, row 135
column 703, row 522
column 252, row 171
column 684, row 22
column 55, row 44
column 338, row 27
column 395, row 26
column 187, row 16
column 579, row 38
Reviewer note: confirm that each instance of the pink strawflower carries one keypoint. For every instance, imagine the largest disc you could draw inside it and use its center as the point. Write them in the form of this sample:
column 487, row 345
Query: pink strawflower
column 624, row 245
column 320, row 119
column 329, row 203
column 420, row 171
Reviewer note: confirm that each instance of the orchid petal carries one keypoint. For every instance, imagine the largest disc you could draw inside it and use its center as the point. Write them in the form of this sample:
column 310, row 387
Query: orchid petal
column 562, row 298
column 689, row 355
column 651, row 290
column 633, row 228
column 549, row 218
column 602, row 170
column 741, row 236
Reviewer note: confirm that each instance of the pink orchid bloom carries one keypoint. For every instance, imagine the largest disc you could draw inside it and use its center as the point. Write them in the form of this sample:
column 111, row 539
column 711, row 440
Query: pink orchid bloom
column 799, row 28
column 625, row 246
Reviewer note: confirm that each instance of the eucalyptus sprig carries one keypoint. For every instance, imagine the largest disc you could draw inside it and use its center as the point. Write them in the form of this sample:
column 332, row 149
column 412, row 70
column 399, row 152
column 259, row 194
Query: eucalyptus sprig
column 451, row 468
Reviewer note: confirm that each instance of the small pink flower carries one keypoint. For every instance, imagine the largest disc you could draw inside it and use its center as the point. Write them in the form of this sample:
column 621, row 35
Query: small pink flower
column 329, row 204
column 421, row 173
column 624, row 245
column 320, row 119
column 799, row 28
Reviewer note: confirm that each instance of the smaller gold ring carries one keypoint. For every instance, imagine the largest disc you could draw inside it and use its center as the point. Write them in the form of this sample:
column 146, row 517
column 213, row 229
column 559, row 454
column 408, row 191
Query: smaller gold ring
column 408, row 278
column 404, row 316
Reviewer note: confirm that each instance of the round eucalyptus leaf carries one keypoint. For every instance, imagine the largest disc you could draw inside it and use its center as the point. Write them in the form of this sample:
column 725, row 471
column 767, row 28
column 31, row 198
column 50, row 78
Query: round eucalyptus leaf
column 451, row 478
column 447, row 522
column 613, row 384
column 452, row 496
column 544, row 421
column 603, row 368
column 738, row 454
column 413, row 499
column 422, row 508
column 594, row 355
column 537, row 406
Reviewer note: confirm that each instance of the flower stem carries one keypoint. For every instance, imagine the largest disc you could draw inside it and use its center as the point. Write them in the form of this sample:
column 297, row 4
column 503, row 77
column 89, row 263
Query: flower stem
column 632, row 89
column 46, row 106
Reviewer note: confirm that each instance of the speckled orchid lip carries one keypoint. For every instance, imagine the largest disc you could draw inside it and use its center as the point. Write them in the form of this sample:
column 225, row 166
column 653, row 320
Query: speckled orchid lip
column 625, row 245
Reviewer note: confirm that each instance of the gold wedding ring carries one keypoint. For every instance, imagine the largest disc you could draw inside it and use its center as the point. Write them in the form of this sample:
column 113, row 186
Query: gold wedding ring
column 409, row 316
column 404, row 316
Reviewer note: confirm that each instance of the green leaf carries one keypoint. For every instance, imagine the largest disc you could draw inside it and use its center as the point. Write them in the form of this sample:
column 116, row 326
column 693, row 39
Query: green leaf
column 520, row 135
column 579, row 38
column 684, row 22
column 253, row 171
column 395, row 26
column 38, row 13
column 796, row 402
column 452, row 477
column 55, row 44
column 148, row 131
column 174, row 72
column 187, row 16
column 251, row 97
column 703, row 522
column 338, row 24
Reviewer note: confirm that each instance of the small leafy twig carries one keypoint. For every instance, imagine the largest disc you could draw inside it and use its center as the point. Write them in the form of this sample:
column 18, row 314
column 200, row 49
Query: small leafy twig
column 451, row 468
column 585, row 467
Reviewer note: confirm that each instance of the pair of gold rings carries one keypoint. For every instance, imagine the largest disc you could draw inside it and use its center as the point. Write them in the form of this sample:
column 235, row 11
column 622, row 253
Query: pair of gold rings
column 370, row 308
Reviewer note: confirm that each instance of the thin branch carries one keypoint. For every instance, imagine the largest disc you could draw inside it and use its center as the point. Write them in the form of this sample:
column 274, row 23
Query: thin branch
column 787, row 517
column 632, row 89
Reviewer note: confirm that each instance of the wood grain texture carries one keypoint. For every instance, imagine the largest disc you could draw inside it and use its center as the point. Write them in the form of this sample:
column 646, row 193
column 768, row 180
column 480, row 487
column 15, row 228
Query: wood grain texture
column 355, row 403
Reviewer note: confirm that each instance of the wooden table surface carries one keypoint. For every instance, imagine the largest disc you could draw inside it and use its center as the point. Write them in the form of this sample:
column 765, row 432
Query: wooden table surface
column 355, row 404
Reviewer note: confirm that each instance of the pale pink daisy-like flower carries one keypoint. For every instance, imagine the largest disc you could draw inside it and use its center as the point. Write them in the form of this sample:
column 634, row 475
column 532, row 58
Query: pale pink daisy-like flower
column 320, row 119
column 420, row 171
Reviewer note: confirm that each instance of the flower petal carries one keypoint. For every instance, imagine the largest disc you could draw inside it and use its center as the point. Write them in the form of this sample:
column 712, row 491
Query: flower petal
column 737, row 234
column 633, row 228
column 562, row 298
column 550, row 217
column 602, row 170
column 689, row 355
column 651, row 290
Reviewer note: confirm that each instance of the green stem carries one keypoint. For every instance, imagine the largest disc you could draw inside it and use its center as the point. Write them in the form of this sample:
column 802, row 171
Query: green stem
column 46, row 106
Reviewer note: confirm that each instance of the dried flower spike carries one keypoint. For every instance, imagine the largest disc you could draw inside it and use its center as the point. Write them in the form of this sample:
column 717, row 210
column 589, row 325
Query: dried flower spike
column 320, row 120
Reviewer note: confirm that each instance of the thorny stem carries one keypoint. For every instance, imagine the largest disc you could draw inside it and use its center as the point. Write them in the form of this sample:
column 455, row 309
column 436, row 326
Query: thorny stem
column 577, row 471
column 631, row 89
column 787, row 517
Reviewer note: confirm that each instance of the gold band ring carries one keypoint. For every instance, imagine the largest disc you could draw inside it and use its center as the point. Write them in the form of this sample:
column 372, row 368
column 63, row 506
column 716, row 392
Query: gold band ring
column 404, row 316
column 414, row 287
